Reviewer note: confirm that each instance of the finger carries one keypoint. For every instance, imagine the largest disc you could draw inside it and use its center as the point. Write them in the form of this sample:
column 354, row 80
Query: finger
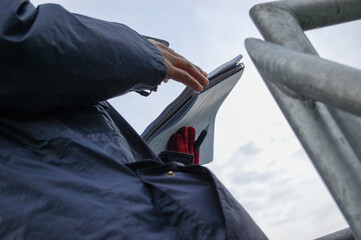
column 203, row 72
column 171, row 51
column 184, row 77
column 174, row 53
column 187, row 66
column 191, row 75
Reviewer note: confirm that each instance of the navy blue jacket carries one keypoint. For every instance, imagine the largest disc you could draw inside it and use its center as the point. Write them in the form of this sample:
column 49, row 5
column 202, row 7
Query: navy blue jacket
column 70, row 166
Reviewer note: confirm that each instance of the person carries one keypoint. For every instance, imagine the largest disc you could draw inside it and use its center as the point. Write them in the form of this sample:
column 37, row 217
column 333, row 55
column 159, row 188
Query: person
column 71, row 168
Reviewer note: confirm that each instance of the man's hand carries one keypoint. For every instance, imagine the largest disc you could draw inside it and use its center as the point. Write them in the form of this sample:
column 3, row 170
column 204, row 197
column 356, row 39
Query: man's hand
column 180, row 69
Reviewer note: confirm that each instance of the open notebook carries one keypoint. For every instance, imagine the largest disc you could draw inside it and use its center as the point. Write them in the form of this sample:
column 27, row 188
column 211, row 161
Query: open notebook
column 197, row 109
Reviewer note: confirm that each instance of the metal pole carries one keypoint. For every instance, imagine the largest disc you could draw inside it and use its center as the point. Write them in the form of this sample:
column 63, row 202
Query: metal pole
column 313, row 14
column 329, row 143
column 345, row 234
column 310, row 76
column 318, row 132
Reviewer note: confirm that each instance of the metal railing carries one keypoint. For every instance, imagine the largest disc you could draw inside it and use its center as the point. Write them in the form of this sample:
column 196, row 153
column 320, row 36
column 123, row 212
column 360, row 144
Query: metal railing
column 320, row 99
column 344, row 234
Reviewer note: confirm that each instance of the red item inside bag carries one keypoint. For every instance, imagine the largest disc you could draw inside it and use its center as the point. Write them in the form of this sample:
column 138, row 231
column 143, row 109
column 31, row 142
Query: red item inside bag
column 183, row 141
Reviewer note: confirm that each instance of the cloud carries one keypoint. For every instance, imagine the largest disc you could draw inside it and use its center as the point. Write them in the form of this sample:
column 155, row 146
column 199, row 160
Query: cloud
column 299, row 154
column 249, row 177
column 279, row 187
column 249, row 149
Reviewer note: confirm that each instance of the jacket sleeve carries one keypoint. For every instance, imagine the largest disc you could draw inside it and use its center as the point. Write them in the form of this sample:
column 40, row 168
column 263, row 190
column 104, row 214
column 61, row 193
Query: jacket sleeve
column 52, row 58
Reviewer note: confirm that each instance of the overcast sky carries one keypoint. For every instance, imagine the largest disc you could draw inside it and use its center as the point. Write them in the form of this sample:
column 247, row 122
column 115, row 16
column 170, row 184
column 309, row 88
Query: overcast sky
column 257, row 156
